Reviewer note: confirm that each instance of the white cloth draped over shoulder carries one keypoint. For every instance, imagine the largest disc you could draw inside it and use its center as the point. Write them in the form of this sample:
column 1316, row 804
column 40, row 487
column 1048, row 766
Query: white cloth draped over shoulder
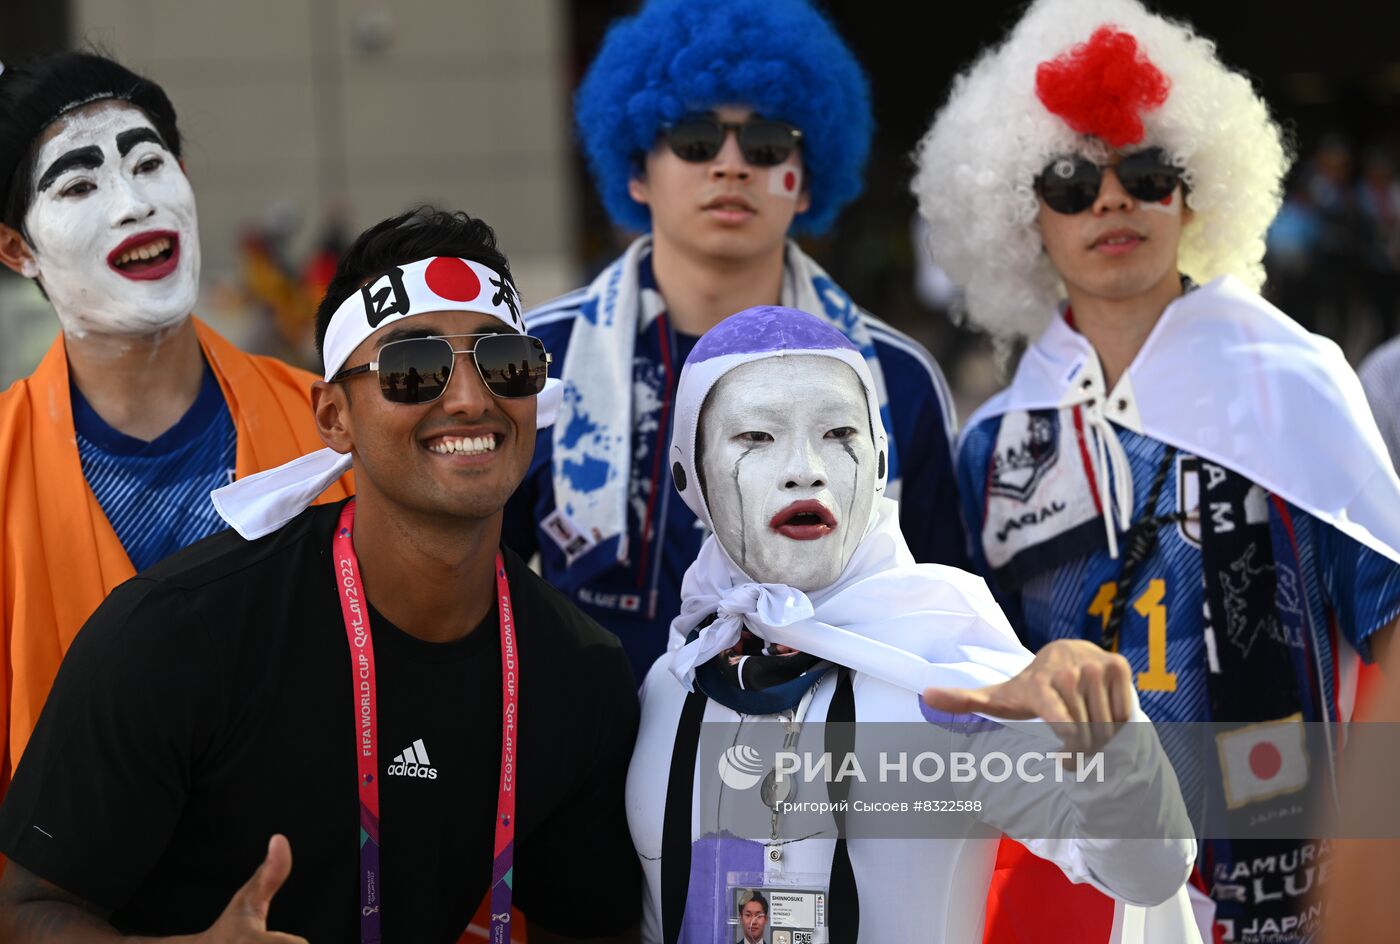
column 1228, row 377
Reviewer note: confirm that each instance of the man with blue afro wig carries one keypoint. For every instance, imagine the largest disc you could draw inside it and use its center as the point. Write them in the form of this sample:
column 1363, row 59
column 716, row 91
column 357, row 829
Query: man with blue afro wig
column 781, row 58
column 715, row 130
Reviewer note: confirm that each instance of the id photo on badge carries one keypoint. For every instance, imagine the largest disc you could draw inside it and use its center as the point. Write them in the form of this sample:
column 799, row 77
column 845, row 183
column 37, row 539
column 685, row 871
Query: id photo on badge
column 751, row 905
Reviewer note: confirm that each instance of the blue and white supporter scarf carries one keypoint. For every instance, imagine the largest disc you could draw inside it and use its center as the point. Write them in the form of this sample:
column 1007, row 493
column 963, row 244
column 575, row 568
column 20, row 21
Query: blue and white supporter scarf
column 593, row 434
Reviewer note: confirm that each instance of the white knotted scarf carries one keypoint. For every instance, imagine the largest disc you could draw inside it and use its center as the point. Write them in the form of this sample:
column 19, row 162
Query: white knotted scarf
column 914, row 626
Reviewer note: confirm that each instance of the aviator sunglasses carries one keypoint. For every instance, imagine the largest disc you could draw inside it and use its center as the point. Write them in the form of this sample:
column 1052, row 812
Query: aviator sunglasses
column 764, row 142
column 1070, row 185
column 417, row 370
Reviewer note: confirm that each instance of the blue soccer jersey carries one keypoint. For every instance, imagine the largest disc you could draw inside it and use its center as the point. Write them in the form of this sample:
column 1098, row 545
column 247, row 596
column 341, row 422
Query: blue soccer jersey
column 156, row 494
column 1350, row 590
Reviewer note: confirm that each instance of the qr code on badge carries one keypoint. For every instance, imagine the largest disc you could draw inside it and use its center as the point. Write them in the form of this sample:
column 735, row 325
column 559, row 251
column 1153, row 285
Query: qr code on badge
column 802, row 937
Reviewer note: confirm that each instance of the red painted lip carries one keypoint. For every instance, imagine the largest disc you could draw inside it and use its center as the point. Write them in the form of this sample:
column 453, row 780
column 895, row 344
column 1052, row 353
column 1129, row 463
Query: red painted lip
column 151, row 273
column 806, row 531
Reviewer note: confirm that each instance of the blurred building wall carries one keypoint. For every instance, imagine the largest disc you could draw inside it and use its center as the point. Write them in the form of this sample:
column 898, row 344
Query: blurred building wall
column 294, row 109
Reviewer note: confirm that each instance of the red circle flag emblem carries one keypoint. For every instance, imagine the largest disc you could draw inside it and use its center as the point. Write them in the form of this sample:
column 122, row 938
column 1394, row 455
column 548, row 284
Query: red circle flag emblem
column 1265, row 761
column 452, row 279
column 789, row 181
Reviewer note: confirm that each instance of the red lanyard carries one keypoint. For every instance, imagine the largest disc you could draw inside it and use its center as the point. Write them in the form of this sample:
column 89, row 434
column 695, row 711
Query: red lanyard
column 357, row 631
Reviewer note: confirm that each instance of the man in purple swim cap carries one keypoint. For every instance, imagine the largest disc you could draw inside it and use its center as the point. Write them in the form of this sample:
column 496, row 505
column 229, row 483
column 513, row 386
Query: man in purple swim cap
column 805, row 606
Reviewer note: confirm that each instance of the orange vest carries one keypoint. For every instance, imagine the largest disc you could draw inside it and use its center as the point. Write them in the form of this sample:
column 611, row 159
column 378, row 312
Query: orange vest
column 59, row 556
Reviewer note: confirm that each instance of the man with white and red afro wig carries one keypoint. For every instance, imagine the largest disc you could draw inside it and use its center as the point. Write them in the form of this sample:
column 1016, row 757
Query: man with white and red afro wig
column 1177, row 472
column 1085, row 77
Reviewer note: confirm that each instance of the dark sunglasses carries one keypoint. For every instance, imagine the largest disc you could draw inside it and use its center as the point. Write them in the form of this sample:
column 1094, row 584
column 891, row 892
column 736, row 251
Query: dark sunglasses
column 1071, row 184
column 417, row 370
column 764, row 142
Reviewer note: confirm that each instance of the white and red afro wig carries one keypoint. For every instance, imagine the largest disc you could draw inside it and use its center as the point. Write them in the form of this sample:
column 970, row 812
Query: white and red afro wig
column 1089, row 77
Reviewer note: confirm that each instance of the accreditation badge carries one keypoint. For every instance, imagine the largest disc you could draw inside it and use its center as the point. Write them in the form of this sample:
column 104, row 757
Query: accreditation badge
column 788, row 911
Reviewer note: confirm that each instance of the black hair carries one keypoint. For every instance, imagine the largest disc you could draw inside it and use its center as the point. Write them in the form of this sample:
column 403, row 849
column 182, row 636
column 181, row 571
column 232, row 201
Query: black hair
column 421, row 233
column 35, row 94
column 758, row 897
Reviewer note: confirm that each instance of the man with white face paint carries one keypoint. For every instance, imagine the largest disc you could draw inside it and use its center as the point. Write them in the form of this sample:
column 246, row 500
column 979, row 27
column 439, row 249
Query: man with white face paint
column 98, row 210
column 805, row 605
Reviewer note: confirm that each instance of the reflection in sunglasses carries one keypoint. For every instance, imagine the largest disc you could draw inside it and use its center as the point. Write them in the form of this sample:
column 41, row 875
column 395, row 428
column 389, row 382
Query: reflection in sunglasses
column 418, row 370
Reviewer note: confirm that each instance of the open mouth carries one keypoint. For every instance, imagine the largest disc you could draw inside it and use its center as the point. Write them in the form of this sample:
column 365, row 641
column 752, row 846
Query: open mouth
column 147, row 256
column 464, row 445
column 804, row 521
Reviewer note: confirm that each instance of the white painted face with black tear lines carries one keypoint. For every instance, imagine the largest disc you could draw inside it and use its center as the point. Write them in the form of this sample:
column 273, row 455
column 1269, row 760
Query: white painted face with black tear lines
column 789, row 468
column 112, row 224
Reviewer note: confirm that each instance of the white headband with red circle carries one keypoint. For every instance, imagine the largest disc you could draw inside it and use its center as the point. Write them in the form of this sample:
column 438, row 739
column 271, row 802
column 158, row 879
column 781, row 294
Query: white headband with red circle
column 442, row 283
column 263, row 502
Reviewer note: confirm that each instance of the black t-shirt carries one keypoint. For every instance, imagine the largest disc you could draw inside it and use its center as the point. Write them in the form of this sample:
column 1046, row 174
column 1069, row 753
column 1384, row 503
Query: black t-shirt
column 208, row 704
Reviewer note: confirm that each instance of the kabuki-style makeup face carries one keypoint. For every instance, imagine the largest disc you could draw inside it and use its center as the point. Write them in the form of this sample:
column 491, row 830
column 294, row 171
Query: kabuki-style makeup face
column 789, row 468
column 112, row 224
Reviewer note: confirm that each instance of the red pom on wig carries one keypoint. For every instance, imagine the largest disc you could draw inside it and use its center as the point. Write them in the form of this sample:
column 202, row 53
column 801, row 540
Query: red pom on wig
column 1102, row 87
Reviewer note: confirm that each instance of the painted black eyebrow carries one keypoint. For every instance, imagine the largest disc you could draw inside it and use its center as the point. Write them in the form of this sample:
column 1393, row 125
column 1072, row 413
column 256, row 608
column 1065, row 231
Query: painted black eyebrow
column 128, row 139
column 89, row 157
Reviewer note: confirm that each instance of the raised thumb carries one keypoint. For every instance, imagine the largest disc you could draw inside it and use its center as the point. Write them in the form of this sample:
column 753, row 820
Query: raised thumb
column 269, row 877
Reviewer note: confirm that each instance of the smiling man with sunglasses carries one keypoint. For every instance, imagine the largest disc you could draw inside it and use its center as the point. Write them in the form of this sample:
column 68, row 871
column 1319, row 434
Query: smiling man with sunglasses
column 717, row 129
column 1178, row 472
column 374, row 685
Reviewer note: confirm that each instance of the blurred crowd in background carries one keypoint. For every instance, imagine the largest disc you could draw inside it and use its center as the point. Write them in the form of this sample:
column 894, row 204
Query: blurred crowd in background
column 1334, row 250
column 1333, row 253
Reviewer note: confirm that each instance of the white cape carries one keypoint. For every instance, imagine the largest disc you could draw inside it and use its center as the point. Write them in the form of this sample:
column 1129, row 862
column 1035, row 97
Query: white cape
column 1228, row 377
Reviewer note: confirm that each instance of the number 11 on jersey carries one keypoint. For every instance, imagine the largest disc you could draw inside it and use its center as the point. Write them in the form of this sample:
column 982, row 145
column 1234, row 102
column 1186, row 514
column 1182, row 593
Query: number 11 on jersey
column 1150, row 605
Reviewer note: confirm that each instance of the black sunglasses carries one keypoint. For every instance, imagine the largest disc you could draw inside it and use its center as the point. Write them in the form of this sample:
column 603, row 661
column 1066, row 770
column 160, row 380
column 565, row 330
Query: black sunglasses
column 1071, row 184
column 764, row 142
column 417, row 370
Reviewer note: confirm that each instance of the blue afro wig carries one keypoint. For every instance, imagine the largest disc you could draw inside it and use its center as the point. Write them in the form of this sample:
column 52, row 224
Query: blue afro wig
column 781, row 57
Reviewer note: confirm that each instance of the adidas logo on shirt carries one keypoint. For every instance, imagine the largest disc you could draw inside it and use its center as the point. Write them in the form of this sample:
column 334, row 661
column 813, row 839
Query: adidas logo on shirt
column 413, row 762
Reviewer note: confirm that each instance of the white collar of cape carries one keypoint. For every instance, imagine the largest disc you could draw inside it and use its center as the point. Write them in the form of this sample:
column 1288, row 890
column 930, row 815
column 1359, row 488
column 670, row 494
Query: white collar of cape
column 913, row 626
column 1226, row 376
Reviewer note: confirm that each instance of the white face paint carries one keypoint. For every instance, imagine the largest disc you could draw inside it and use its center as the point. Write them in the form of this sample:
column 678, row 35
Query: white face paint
column 107, row 193
column 789, row 468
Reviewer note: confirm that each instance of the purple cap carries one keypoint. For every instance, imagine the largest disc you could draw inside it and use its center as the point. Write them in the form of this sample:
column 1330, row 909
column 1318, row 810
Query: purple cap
column 765, row 329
